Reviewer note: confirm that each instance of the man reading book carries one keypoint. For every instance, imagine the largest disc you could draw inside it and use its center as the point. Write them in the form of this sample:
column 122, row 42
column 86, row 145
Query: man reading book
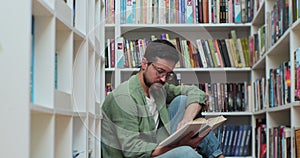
column 136, row 116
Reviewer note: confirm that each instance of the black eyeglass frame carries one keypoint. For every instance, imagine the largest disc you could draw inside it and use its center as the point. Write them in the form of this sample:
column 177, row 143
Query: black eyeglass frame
column 161, row 72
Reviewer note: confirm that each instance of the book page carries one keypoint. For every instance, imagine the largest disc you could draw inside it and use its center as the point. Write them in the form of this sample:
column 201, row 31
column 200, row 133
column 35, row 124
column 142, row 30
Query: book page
column 179, row 134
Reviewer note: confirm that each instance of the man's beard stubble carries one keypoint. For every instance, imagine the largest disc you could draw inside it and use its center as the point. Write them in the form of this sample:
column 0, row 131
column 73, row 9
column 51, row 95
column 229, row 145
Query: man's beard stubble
column 148, row 83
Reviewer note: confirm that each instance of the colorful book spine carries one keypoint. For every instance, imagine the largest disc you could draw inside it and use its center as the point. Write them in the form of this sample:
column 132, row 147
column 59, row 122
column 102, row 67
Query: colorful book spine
column 297, row 75
column 119, row 52
column 134, row 11
column 189, row 11
column 56, row 70
column 123, row 11
column 237, row 11
column 129, row 11
column 32, row 69
column 201, row 53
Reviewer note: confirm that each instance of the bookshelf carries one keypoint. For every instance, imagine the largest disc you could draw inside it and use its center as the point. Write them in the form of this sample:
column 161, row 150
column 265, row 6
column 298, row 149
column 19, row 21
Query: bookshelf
column 274, row 47
column 275, row 110
column 191, row 32
column 57, row 78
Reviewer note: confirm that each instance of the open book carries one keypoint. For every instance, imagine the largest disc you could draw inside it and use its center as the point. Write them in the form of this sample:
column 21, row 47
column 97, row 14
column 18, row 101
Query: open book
column 200, row 126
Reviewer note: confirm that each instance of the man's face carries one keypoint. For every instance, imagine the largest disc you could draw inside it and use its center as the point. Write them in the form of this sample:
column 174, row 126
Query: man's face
column 158, row 72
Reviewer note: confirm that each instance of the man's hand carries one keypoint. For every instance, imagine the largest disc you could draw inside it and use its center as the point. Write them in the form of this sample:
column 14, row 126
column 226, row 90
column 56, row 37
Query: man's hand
column 190, row 140
column 191, row 111
column 160, row 150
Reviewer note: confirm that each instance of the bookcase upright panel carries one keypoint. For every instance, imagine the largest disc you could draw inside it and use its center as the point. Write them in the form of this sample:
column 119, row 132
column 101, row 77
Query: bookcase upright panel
column 15, row 50
column 42, row 135
column 44, row 48
column 63, row 136
column 79, row 75
column 91, row 92
column 80, row 135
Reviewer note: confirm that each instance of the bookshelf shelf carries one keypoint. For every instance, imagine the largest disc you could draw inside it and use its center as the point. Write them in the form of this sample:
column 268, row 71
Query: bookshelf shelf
column 279, row 108
column 260, row 112
column 191, row 69
column 64, row 12
column 184, row 27
column 227, row 113
column 260, row 63
column 281, row 45
column 296, row 25
column 213, row 69
column 41, row 109
column 40, row 7
column 259, row 17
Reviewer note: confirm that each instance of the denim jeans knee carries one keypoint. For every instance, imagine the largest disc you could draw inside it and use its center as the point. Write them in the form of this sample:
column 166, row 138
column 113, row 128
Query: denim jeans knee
column 180, row 152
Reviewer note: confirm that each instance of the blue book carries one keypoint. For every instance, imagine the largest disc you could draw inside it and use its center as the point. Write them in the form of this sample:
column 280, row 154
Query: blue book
column 56, row 71
column 32, row 61
column 238, row 143
column 123, row 11
column 246, row 150
column 129, row 11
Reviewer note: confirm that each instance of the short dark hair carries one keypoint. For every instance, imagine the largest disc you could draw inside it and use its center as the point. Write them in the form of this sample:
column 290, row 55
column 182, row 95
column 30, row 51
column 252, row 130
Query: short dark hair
column 162, row 49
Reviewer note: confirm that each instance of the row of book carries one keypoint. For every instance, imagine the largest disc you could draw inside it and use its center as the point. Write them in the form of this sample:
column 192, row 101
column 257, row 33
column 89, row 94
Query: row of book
column 181, row 11
column 235, row 140
column 260, row 138
column 280, row 85
column 227, row 97
column 257, row 44
column 297, row 73
column 274, row 91
column 280, row 142
column 231, row 52
column 278, row 20
column 259, row 94
column 297, row 140
column 206, row 53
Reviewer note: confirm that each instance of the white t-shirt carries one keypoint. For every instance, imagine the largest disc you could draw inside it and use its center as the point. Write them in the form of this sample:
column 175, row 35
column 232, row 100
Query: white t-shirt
column 153, row 110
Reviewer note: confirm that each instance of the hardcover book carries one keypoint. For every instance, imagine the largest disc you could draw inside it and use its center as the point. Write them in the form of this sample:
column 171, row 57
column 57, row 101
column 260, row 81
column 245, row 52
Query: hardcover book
column 200, row 126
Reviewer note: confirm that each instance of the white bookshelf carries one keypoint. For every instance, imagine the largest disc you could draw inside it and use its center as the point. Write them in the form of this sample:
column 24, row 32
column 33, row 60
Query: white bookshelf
column 279, row 52
column 63, row 113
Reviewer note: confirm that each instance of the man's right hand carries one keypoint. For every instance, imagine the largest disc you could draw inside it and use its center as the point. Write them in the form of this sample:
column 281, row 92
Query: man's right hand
column 190, row 140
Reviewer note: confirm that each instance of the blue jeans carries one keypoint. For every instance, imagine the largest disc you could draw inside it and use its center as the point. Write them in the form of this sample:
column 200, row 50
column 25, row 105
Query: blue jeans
column 209, row 146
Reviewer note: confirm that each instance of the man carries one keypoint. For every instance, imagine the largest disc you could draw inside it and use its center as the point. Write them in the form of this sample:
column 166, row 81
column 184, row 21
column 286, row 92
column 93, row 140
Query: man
column 136, row 117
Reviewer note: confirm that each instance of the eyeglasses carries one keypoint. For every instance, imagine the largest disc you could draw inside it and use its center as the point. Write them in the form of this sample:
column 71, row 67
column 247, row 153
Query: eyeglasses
column 162, row 73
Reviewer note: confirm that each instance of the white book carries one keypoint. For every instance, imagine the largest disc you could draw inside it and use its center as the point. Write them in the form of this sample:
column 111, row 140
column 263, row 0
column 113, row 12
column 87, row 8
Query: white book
column 201, row 53
column 149, row 12
column 162, row 11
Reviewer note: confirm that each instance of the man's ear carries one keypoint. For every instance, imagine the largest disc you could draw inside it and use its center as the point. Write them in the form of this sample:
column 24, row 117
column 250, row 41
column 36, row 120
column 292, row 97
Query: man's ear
column 144, row 63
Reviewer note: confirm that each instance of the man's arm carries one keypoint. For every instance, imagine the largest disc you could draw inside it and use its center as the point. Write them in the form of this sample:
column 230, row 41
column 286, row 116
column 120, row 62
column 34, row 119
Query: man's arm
column 190, row 113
